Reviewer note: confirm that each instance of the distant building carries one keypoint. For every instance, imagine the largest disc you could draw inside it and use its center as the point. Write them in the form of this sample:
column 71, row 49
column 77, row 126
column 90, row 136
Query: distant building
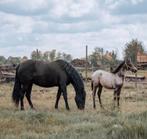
column 141, row 57
column 142, row 60
column 108, row 55
column 79, row 63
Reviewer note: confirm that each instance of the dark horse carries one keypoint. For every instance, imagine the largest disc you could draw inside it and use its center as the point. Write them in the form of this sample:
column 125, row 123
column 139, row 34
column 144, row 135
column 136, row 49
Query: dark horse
column 58, row 73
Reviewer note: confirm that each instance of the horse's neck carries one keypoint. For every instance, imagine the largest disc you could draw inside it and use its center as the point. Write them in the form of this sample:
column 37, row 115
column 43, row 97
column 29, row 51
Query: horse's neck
column 119, row 68
column 121, row 73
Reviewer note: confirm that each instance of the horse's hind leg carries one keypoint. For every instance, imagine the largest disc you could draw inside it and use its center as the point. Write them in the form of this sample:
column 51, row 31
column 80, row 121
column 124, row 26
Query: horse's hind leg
column 57, row 98
column 22, row 92
column 99, row 95
column 28, row 96
column 93, row 95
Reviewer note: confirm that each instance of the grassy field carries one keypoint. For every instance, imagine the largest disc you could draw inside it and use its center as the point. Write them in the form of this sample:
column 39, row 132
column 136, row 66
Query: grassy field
column 128, row 122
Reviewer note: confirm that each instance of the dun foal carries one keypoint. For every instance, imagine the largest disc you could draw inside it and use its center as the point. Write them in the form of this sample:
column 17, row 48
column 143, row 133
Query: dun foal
column 110, row 80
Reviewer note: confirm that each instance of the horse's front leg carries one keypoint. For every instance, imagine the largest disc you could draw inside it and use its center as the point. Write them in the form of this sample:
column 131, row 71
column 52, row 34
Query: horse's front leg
column 28, row 96
column 118, row 96
column 117, row 91
column 64, row 90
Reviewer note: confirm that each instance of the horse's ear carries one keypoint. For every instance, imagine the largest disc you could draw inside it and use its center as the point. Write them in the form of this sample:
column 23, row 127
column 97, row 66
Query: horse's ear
column 128, row 59
column 111, row 69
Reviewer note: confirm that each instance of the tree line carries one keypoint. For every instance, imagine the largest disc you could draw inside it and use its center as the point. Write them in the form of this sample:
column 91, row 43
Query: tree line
column 37, row 55
column 98, row 57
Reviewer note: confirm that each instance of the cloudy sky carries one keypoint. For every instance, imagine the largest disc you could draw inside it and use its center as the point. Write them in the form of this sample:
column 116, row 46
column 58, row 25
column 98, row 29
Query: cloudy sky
column 69, row 25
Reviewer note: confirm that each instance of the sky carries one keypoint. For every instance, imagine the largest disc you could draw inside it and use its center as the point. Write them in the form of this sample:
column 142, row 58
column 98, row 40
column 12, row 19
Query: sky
column 69, row 25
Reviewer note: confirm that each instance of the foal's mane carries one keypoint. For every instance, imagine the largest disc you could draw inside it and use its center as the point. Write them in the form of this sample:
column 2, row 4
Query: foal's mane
column 118, row 68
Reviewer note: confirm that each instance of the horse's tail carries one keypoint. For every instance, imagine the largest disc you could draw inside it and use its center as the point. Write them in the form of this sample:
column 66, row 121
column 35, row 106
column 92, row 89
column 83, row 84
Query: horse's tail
column 16, row 89
column 92, row 85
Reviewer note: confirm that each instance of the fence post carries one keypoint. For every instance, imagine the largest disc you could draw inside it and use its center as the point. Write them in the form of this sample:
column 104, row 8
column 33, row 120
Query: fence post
column 86, row 66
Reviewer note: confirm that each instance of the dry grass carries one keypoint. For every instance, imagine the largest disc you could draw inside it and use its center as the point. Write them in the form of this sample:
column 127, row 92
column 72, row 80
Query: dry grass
column 125, row 123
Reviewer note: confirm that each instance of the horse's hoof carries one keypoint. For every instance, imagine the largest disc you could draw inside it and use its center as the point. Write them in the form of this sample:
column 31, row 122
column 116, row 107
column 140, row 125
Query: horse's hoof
column 68, row 109
column 102, row 107
column 56, row 107
column 22, row 109
column 32, row 108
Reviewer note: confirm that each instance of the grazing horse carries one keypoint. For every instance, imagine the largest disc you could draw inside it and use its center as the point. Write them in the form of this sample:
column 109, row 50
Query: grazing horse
column 58, row 73
column 110, row 80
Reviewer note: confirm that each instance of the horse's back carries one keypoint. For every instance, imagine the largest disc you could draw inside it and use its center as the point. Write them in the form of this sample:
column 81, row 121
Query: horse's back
column 46, row 74
column 104, row 78
column 101, row 73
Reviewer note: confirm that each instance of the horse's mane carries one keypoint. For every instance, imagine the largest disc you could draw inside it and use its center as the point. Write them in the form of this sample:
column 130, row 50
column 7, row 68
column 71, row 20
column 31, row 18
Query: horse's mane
column 118, row 68
column 73, row 74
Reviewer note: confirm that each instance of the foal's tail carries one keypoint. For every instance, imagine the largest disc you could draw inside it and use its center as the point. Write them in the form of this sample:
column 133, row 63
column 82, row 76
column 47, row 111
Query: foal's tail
column 16, row 89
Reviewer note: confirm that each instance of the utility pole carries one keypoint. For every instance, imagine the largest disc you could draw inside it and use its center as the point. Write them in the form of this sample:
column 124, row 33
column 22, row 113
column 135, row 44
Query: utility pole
column 37, row 52
column 86, row 64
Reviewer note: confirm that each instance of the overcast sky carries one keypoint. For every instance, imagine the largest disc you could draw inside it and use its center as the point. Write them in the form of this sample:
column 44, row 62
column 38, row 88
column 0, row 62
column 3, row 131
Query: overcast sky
column 69, row 25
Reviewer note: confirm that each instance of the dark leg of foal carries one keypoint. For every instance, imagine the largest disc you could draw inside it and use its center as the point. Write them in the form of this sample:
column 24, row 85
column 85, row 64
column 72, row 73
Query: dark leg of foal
column 115, row 94
column 63, row 89
column 118, row 96
column 93, row 95
column 99, row 95
column 28, row 96
column 57, row 98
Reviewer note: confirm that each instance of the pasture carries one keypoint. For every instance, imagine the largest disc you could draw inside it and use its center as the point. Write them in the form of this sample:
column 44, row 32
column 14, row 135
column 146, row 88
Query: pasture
column 47, row 123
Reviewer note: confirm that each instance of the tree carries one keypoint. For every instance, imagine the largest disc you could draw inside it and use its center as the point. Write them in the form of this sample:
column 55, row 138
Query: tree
column 36, row 55
column 25, row 58
column 66, row 57
column 52, row 55
column 2, row 60
column 13, row 60
column 46, row 56
column 114, row 60
column 97, row 56
column 132, row 48
column 59, row 55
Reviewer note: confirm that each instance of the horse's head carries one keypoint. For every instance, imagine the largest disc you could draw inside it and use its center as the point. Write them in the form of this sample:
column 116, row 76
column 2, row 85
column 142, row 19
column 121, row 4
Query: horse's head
column 129, row 65
column 80, row 99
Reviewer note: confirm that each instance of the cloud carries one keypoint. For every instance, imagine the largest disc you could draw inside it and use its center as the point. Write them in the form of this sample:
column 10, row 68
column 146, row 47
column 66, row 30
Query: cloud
column 69, row 25
column 124, row 7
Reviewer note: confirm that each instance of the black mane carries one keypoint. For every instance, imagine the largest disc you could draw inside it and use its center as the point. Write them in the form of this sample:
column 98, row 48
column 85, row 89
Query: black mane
column 118, row 68
column 75, row 77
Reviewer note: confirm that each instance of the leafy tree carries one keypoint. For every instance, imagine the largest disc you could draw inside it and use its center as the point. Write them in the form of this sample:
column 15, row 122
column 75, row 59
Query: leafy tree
column 24, row 58
column 132, row 48
column 97, row 56
column 13, row 60
column 66, row 57
column 114, row 60
column 46, row 56
column 59, row 55
column 52, row 55
column 36, row 55
column 2, row 60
